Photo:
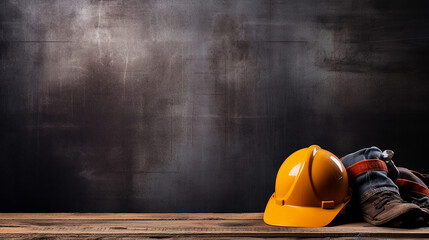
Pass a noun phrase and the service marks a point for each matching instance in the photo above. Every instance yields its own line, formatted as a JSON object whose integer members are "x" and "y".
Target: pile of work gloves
{"x": 383, "y": 194}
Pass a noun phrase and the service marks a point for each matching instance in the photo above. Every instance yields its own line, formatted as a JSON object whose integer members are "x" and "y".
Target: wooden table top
{"x": 179, "y": 225}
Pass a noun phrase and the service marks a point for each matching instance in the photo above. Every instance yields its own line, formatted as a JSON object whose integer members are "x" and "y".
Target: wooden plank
{"x": 131, "y": 216}
{"x": 211, "y": 226}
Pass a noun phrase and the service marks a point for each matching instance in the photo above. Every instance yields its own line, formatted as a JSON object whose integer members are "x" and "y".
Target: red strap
{"x": 412, "y": 186}
{"x": 365, "y": 166}
{"x": 423, "y": 176}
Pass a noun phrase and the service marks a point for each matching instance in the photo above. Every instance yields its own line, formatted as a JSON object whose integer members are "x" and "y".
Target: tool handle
{"x": 387, "y": 156}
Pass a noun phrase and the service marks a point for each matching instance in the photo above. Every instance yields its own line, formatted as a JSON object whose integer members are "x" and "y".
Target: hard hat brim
{"x": 299, "y": 216}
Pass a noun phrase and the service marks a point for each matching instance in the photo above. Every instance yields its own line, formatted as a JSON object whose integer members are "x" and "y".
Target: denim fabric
{"x": 371, "y": 182}
{"x": 405, "y": 173}
{"x": 417, "y": 198}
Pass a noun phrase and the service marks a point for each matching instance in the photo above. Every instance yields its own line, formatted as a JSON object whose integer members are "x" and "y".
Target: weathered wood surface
{"x": 177, "y": 225}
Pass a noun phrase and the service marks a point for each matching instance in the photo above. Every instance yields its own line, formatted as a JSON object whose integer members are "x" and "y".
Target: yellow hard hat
{"x": 311, "y": 189}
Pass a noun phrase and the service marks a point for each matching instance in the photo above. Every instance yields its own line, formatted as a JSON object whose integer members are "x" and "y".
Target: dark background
{"x": 192, "y": 106}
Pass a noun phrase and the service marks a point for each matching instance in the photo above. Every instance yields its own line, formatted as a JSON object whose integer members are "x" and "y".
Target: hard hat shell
{"x": 311, "y": 189}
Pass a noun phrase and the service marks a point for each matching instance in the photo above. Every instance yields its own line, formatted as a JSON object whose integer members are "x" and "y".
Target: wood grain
{"x": 177, "y": 225}
{"x": 131, "y": 216}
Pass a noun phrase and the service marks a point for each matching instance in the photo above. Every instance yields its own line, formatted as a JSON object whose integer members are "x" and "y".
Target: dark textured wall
{"x": 184, "y": 106}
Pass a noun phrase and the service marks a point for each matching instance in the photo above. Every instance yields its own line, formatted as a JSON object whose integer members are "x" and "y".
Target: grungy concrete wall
{"x": 188, "y": 106}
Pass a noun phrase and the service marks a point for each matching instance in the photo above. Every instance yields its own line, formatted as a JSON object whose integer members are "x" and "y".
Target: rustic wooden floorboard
{"x": 178, "y": 225}
{"x": 133, "y": 216}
